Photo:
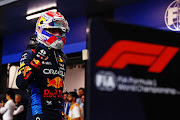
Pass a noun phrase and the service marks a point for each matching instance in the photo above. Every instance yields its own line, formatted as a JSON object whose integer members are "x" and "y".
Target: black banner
{"x": 133, "y": 72}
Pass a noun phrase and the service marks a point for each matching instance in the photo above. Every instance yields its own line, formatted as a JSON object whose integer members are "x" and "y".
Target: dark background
{"x": 150, "y": 13}
{"x": 131, "y": 105}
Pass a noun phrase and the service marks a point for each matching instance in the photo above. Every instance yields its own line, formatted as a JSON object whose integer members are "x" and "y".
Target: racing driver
{"x": 42, "y": 68}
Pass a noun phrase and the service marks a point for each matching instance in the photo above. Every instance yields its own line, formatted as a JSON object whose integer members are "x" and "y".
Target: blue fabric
{"x": 68, "y": 107}
{"x": 36, "y": 99}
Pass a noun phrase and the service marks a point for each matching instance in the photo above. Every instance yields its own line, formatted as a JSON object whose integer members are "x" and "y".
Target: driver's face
{"x": 55, "y": 31}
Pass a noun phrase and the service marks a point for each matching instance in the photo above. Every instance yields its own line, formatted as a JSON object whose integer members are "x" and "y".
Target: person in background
{"x": 80, "y": 92}
{"x": 66, "y": 104}
{"x": 18, "y": 112}
{"x": 75, "y": 110}
{"x": 8, "y": 109}
{"x": 1, "y": 105}
{"x": 82, "y": 106}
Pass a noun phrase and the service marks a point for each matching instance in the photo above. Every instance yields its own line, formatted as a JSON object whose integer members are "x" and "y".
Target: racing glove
{"x": 41, "y": 53}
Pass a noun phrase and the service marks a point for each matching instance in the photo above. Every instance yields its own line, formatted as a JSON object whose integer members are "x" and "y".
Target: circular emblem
{"x": 172, "y": 16}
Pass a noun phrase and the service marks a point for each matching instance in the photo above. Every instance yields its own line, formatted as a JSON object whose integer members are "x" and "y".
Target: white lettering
{"x": 172, "y": 14}
{"x": 24, "y": 57}
{"x": 108, "y": 81}
{"x": 53, "y": 72}
{"x": 46, "y": 63}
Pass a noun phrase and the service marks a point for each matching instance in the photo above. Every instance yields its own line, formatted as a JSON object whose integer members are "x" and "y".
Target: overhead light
{"x": 41, "y": 7}
{"x": 5, "y": 2}
{"x": 38, "y": 14}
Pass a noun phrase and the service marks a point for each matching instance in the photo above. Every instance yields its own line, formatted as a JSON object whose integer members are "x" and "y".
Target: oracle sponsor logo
{"x": 54, "y": 72}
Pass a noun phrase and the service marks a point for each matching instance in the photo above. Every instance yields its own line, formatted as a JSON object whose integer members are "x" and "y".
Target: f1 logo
{"x": 126, "y": 52}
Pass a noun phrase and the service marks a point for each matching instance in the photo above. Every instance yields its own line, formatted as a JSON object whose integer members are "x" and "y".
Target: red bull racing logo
{"x": 55, "y": 82}
{"x": 36, "y": 63}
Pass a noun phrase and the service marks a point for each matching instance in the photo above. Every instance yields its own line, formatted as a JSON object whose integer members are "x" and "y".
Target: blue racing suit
{"x": 43, "y": 79}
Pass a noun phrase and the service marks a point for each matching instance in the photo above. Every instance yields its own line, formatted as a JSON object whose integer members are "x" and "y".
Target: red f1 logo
{"x": 126, "y": 52}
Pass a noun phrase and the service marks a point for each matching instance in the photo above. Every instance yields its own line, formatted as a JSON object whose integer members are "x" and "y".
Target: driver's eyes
{"x": 55, "y": 31}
